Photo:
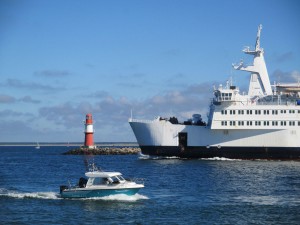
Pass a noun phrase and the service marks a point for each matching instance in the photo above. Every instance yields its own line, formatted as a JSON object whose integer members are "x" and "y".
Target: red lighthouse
{"x": 89, "y": 132}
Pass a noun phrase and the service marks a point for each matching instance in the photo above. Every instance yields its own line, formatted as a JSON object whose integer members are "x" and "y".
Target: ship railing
{"x": 140, "y": 120}
{"x": 225, "y": 99}
{"x": 251, "y": 101}
{"x": 287, "y": 103}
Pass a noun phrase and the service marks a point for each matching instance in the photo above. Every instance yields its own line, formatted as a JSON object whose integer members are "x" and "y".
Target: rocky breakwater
{"x": 104, "y": 151}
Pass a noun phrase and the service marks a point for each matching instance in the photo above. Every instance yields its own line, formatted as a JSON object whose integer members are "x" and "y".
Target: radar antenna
{"x": 257, "y": 43}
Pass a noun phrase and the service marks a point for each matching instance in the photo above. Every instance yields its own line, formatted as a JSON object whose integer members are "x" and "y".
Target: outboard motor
{"x": 62, "y": 188}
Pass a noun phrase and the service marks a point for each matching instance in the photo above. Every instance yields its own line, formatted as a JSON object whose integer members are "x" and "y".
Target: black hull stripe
{"x": 271, "y": 153}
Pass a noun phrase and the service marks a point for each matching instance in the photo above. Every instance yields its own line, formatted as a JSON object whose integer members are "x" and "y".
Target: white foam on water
{"x": 171, "y": 157}
{"x": 22, "y": 195}
{"x": 54, "y": 195}
{"x": 220, "y": 159}
{"x": 159, "y": 157}
{"x": 120, "y": 197}
{"x": 142, "y": 156}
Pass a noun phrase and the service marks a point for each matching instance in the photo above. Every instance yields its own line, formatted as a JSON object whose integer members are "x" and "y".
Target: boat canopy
{"x": 102, "y": 174}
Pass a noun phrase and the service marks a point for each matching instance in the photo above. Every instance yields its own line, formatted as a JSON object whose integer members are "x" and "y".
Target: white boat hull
{"x": 96, "y": 193}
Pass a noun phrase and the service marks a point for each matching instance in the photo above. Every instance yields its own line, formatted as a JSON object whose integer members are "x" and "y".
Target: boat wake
{"x": 54, "y": 196}
{"x": 23, "y": 195}
{"x": 145, "y": 157}
{"x": 220, "y": 159}
{"x": 120, "y": 197}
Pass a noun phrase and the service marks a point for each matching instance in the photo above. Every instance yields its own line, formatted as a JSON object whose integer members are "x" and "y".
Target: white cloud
{"x": 284, "y": 57}
{"x": 15, "y": 83}
{"x": 285, "y": 77}
{"x": 28, "y": 99}
{"x": 111, "y": 114}
{"x": 52, "y": 73}
{"x": 295, "y": 75}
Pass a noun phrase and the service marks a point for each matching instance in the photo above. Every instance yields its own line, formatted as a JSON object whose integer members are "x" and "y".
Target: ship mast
{"x": 259, "y": 80}
{"x": 257, "y": 43}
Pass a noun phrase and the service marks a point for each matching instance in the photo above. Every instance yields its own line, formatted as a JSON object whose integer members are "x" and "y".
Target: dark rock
{"x": 104, "y": 151}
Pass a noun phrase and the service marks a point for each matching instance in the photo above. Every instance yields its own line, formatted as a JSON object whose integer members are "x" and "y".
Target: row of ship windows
{"x": 258, "y": 112}
{"x": 260, "y": 123}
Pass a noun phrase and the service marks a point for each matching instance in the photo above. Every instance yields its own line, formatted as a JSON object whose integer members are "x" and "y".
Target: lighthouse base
{"x": 90, "y": 147}
{"x": 104, "y": 151}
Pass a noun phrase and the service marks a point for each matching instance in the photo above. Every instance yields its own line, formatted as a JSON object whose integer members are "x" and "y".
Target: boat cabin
{"x": 103, "y": 178}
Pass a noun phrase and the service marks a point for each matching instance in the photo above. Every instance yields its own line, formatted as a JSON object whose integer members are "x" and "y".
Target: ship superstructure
{"x": 263, "y": 124}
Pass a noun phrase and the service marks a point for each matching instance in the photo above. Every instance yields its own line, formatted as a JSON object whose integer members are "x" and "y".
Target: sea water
{"x": 177, "y": 191}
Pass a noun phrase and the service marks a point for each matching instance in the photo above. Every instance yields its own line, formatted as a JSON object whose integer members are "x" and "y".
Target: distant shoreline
{"x": 71, "y": 144}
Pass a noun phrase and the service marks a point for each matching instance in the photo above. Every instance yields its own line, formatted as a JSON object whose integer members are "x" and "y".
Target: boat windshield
{"x": 120, "y": 178}
{"x": 117, "y": 179}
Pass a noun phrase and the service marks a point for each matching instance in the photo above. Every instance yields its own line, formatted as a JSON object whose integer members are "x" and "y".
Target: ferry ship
{"x": 262, "y": 124}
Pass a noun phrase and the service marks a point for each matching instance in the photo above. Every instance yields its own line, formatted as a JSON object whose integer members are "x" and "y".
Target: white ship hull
{"x": 162, "y": 138}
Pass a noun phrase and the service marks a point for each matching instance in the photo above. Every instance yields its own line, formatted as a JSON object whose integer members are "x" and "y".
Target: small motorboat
{"x": 100, "y": 184}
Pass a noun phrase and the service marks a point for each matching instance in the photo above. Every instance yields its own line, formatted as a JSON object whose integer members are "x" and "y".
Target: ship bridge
{"x": 229, "y": 93}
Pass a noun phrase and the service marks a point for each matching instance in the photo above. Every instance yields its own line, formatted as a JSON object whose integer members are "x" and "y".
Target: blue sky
{"x": 62, "y": 59}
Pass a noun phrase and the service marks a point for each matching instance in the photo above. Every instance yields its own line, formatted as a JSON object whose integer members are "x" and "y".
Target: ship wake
{"x": 220, "y": 159}
{"x": 143, "y": 157}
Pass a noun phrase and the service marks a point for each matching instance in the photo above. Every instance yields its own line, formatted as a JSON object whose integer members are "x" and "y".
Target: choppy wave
{"x": 267, "y": 200}
{"x": 220, "y": 159}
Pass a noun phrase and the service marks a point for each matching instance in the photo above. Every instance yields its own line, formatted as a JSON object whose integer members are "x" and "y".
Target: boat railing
{"x": 94, "y": 168}
{"x": 139, "y": 180}
{"x": 71, "y": 186}
{"x": 136, "y": 180}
